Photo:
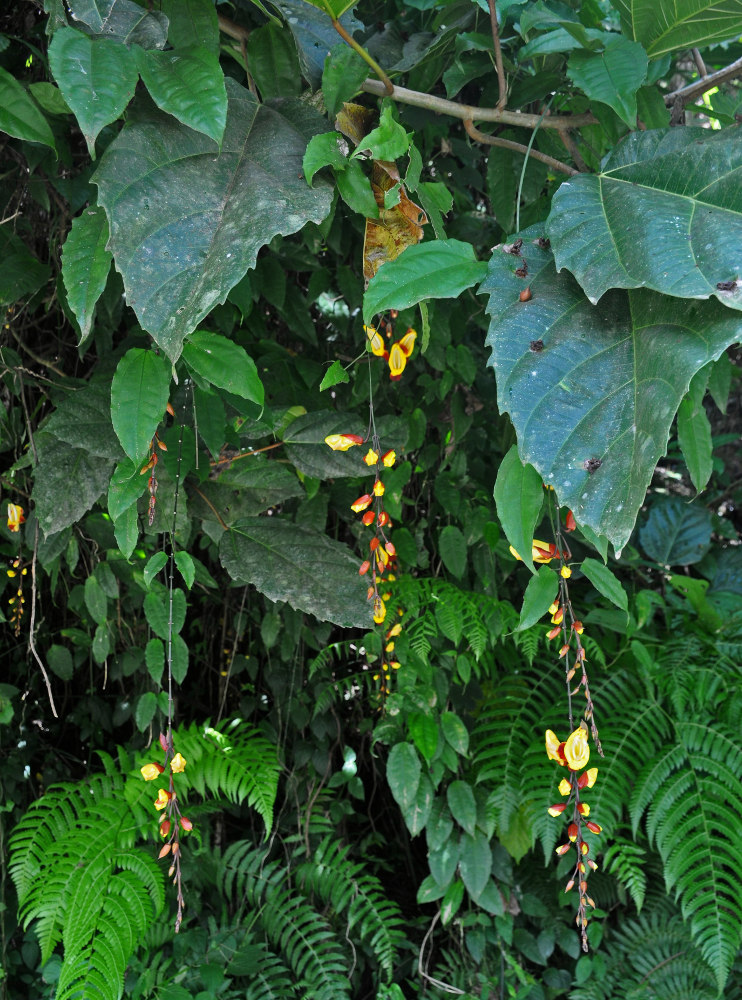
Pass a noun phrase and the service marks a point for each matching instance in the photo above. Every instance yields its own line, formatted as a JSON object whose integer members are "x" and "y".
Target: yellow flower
{"x": 371, "y": 457}
{"x": 565, "y": 572}
{"x": 379, "y": 611}
{"x": 397, "y": 360}
{"x": 341, "y": 442}
{"x": 552, "y": 747}
{"x": 177, "y": 764}
{"x": 407, "y": 343}
{"x": 16, "y": 517}
{"x": 577, "y": 749}
{"x": 375, "y": 341}
{"x": 389, "y": 458}
{"x": 378, "y": 488}
{"x": 541, "y": 552}
{"x": 162, "y": 799}
{"x": 565, "y": 787}
{"x": 151, "y": 771}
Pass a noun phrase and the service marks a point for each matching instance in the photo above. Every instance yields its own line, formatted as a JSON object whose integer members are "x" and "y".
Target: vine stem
{"x": 502, "y": 85}
{"x": 693, "y": 90}
{"x": 496, "y": 140}
{"x": 386, "y": 82}
{"x": 454, "y": 110}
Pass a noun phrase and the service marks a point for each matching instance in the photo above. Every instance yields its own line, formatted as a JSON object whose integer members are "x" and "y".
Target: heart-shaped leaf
{"x": 187, "y": 222}
{"x": 664, "y": 213}
{"x": 593, "y": 405}
{"x": 188, "y": 84}
{"x": 287, "y": 562}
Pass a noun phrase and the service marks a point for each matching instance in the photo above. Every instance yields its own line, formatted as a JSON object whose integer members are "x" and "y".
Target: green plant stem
{"x": 417, "y": 99}
{"x": 388, "y": 85}
{"x": 502, "y": 85}
{"x": 495, "y": 140}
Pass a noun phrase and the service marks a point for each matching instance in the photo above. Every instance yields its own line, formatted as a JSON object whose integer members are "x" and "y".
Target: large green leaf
{"x": 189, "y": 85}
{"x": 676, "y": 533}
{"x": 139, "y": 394}
{"x": 247, "y": 489}
{"x": 666, "y": 25}
{"x": 403, "y": 772}
{"x": 287, "y": 562}
{"x": 664, "y": 213}
{"x": 273, "y": 61}
{"x": 83, "y": 420}
{"x": 67, "y": 482}
{"x": 186, "y": 223}
{"x": 224, "y": 364}
{"x": 191, "y": 22}
{"x": 441, "y": 269}
{"x": 121, "y": 21}
{"x": 20, "y": 116}
{"x": 97, "y": 78}
{"x": 519, "y": 497}
{"x": 21, "y": 272}
{"x": 592, "y": 390}
{"x": 612, "y": 76}
{"x": 85, "y": 265}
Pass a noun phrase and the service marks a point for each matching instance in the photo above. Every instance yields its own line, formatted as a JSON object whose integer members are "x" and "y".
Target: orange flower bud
{"x": 557, "y": 810}
{"x": 583, "y": 846}
{"x": 163, "y": 743}
{"x": 373, "y": 544}
{"x": 553, "y": 632}
{"x": 564, "y": 650}
{"x": 383, "y": 519}
{"x": 578, "y": 627}
{"x": 164, "y": 850}
{"x": 361, "y": 503}
{"x": 368, "y": 517}
{"x": 593, "y": 827}
{"x": 165, "y": 828}
{"x": 572, "y": 832}
{"x": 571, "y": 523}
{"x": 558, "y": 617}
{"x": 569, "y": 885}
{"x": 562, "y": 850}
{"x": 390, "y": 549}
{"x": 151, "y": 771}
{"x": 186, "y": 823}
{"x": 364, "y": 567}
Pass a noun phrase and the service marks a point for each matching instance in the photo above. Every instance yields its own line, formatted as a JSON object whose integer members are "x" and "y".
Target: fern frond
{"x": 625, "y": 860}
{"x": 692, "y": 793}
{"x": 528, "y": 642}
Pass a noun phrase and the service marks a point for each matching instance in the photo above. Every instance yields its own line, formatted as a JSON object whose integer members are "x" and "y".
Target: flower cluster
{"x": 172, "y": 821}
{"x": 574, "y": 754}
{"x": 398, "y": 353}
{"x": 382, "y": 554}
{"x": 16, "y": 517}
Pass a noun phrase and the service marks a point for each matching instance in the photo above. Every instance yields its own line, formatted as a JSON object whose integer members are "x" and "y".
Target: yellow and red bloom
{"x": 554, "y": 748}
{"x": 16, "y": 517}
{"x": 588, "y": 778}
{"x": 577, "y": 749}
{"x": 151, "y": 771}
{"x": 177, "y": 764}
{"x": 163, "y": 797}
{"x": 165, "y": 828}
{"x": 593, "y": 827}
{"x": 584, "y": 809}
{"x": 565, "y": 572}
{"x": 378, "y": 488}
{"x": 375, "y": 341}
{"x": 361, "y": 503}
{"x": 407, "y": 343}
{"x": 558, "y": 809}
{"x": 341, "y": 442}
{"x": 565, "y": 786}
{"x": 364, "y": 567}
{"x": 397, "y": 360}
{"x": 541, "y": 552}
{"x": 379, "y": 611}
{"x": 371, "y": 457}
{"x": 389, "y": 458}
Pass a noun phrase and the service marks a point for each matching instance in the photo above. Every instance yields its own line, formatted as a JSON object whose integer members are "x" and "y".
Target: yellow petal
{"x": 577, "y": 749}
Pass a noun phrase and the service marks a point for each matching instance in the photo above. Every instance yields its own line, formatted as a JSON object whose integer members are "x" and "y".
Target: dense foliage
{"x": 428, "y": 289}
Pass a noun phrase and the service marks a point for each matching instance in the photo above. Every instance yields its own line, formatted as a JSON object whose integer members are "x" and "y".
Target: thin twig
{"x": 571, "y": 147}
{"x": 496, "y": 140}
{"x": 700, "y": 64}
{"x": 686, "y": 95}
{"x": 367, "y": 58}
{"x": 417, "y": 99}
{"x": 502, "y": 85}
{"x": 31, "y": 639}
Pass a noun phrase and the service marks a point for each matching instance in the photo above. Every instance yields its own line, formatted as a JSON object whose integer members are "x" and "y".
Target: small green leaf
{"x": 342, "y": 77}
{"x": 417, "y": 815}
{"x": 540, "y": 593}
{"x": 451, "y": 902}
{"x": 126, "y": 531}
{"x": 126, "y": 486}
{"x": 189, "y": 85}
{"x": 452, "y": 549}
{"x": 455, "y": 732}
{"x": 611, "y": 77}
{"x": 145, "y": 710}
{"x": 96, "y": 601}
{"x": 179, "y": 665}
{"x": 157, "y": 611}
{"x": 329, "y": 149}
{"x": 694, "y": 438}
{"x": 519, "y": 496}
{"x": 334, "y": 375}
{"x": 20, "y": 115}
{"x": 388, "y": 141}
{"x": 273, "y": 61}
{"x": 606, "y": 583}
{"x": 60, "y": 661}
{"x": 224, "y": 364}
{"x": 429, "y": 890}
{"x": 101, "y": 644}
{"x": 354, "y": 188}
{"x": 191, "y": 22}
{"x": 139, "y": 394}
{"x": 86, "y": 264}
{"x": 97, "y": 79}
{"x": 186, "y": 567}
{"x": 154, "y": 565}
{"x": 441, "y": 269}
{"x": 475, "y": 862}
{"x": 154, "y": 657}
{"x": 403, "y": 772}
{"x": 424, "y": 732}
{"x": 443, "y": 861}
{"x": 460, "y": 798}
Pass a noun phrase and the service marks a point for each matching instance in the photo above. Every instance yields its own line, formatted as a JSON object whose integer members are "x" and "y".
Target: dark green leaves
{"x": 441, "y": 269}
{"x": 664, "y": 213}
{"x": 676, "y": 533}
{"x": 139, "y": 395}
{"x": 223, "y": 364}
{"x": 187, "y": 222}
{"x": 612, "y": 76}
{"x": 593, "y": 406}
{"x": 188, "y": 84}
{"x": 403, "y": 772}
{"x": 20, "y": 115}
{"x": 666, "y": 25}
{"x": 605, "y": 582}
{"x": 122, "y": 21}
{"x": 96, "y": 78}
{"x": 85, "y": 265}
{"x": 287, "y": 562}
{"x": 541, "y": 592}
{"x": 519, "y": 496}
